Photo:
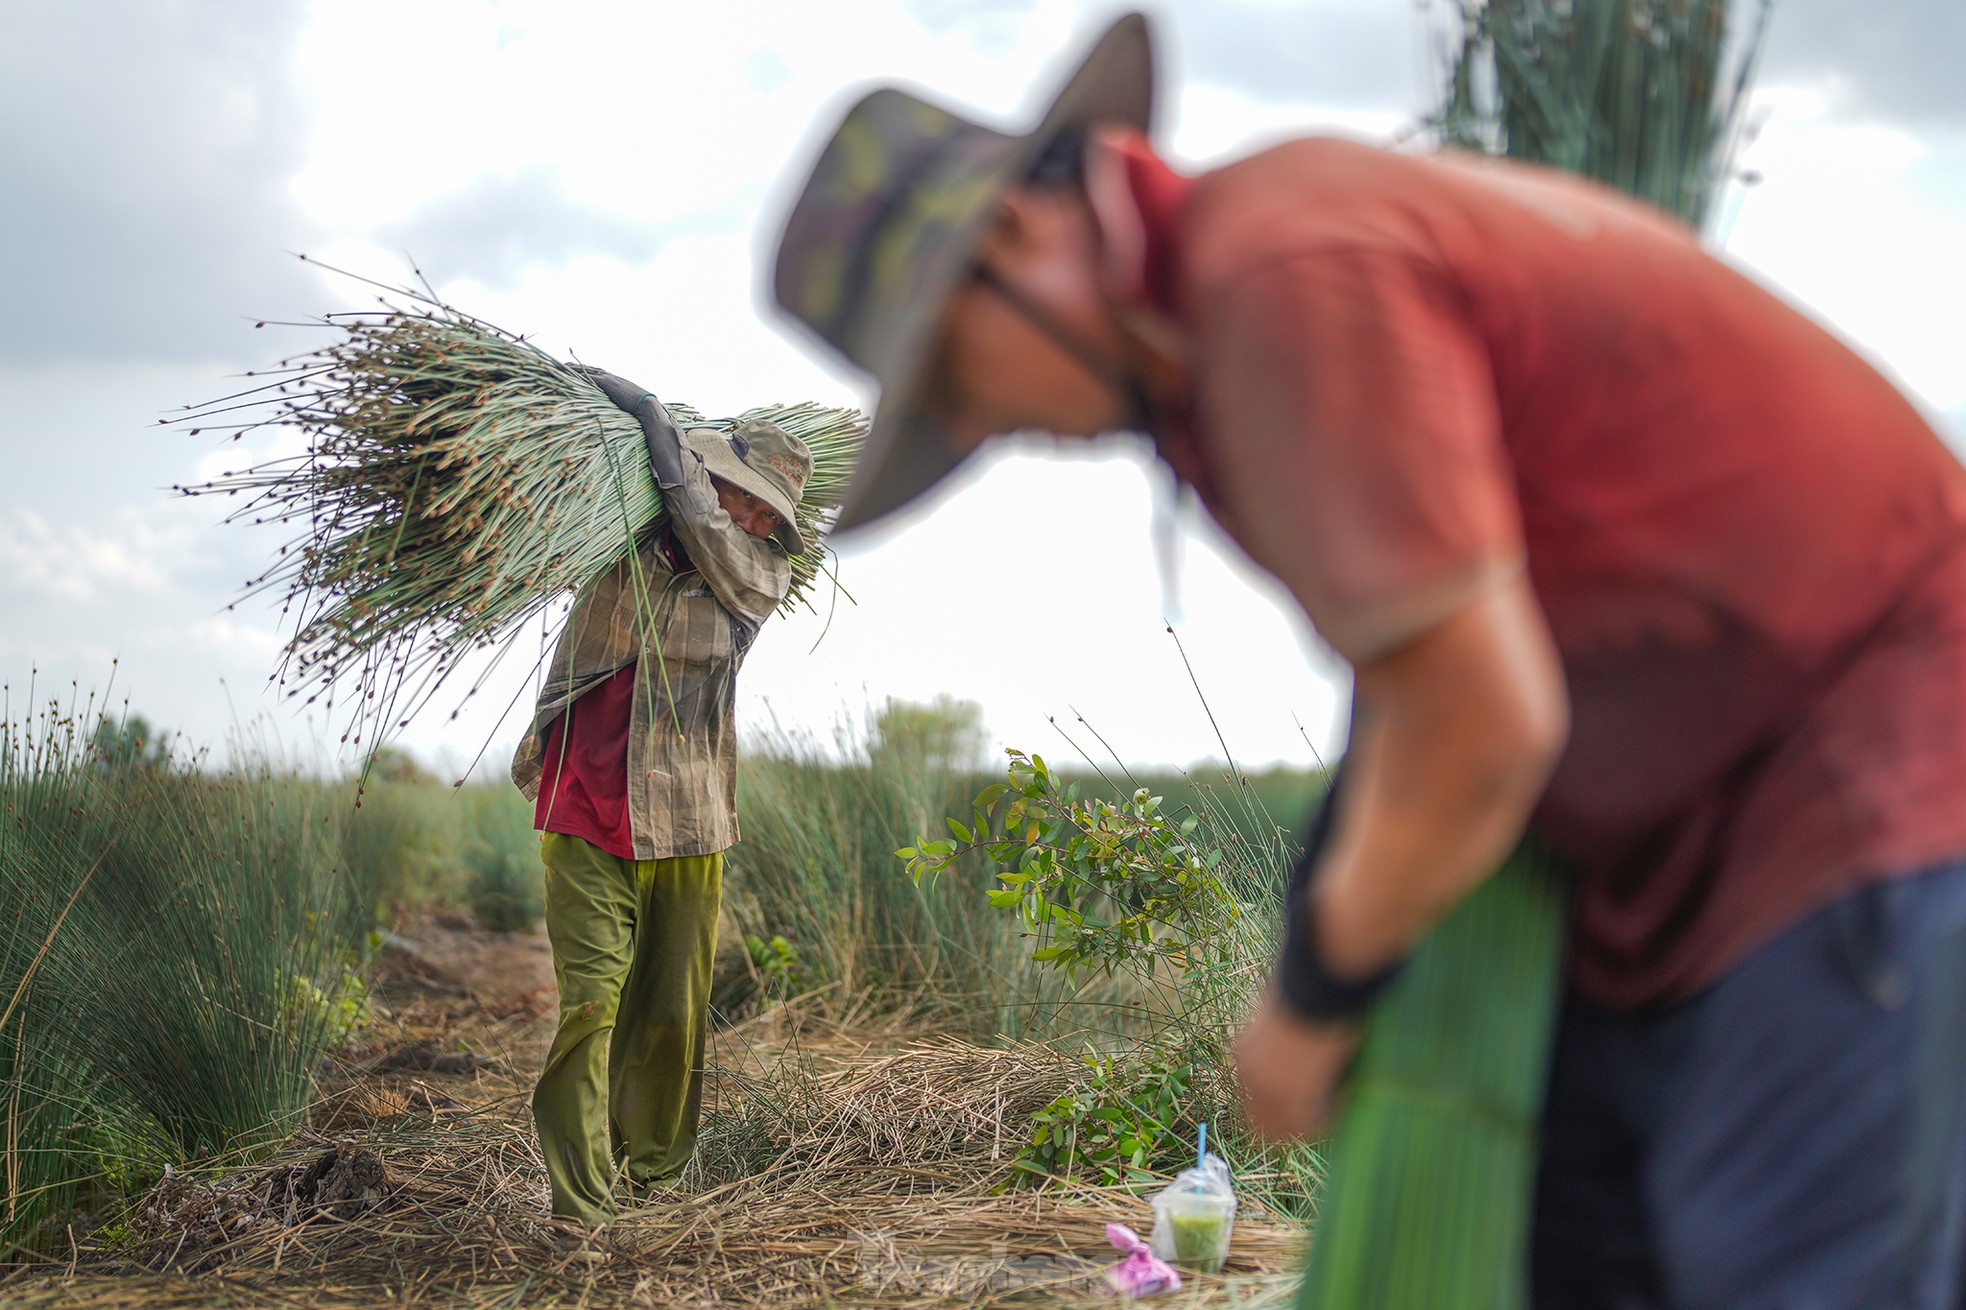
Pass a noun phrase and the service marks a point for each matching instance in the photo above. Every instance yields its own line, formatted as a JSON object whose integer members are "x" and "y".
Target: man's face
{"x": 746, "y": 510}
{"x": 998, "y": 372}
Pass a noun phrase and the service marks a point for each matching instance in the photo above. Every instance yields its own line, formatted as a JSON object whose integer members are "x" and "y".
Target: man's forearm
{"x": 1456, "y": 736}
{"x": 659, "y": 434}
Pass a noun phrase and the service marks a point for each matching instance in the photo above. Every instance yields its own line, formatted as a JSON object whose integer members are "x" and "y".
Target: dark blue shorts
{"x": 1792, "y": 1138}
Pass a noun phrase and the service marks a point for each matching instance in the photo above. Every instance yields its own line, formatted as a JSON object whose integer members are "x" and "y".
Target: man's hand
{"x": 665, "y": 443}
{"x": 1289, "y": 1069}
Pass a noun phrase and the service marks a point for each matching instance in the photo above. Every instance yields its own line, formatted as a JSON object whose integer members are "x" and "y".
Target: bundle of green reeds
{"x": 456, "y": 480}
{"x": 1432, "y": 1162}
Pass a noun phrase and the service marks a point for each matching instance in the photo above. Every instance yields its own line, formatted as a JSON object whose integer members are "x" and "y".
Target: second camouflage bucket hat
{"x": 765, "y": 460}
{"x": 886, "y": 230}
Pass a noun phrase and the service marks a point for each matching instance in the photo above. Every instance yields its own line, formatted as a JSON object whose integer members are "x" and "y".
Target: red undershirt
{"x": 583, "y": 782}
{"x": 583, "y": 788}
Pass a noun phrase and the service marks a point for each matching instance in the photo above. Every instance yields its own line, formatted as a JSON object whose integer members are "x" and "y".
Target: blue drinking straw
{"x": 1201, "y": 1146}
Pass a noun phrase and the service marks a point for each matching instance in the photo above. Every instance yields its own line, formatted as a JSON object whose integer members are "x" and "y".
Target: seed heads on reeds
{"x": 456, "y": 479}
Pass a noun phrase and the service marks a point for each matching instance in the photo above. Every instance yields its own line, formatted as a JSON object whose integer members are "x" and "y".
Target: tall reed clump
{"x": 178, "y": 950}
{"x": 1647, "y": 96}
{"x": 816, "y": 867}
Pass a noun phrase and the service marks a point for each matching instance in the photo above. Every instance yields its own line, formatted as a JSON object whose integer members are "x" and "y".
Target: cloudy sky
{"x": 606, "y": 177}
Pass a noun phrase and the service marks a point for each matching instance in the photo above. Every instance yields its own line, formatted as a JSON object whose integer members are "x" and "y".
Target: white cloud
{"x": 73, "y": 562}
{"x": 1839, "y": 224}
{"x": 239, "y": 638}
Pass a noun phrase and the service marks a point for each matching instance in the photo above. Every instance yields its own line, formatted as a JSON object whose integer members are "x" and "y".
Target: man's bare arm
{"x": 1458, "y": 731}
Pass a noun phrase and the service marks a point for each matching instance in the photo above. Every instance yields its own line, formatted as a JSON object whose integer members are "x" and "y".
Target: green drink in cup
{"x": 1200, "y": 1226}
{"x": 1195, "y": 1215}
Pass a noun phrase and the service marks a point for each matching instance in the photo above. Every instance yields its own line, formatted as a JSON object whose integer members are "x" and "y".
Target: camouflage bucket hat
{"x": 765, "y": 460}
{"x": 886, "y": 231}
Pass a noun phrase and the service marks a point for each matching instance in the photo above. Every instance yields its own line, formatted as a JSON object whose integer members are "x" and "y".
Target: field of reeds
{"x": 262, "y": 1044}
{"x": 184, "y": 945}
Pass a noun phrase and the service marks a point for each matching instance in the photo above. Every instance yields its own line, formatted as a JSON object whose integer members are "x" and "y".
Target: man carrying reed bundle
{"x": 632, "y": 763}
{"x": 1623, "y": 551}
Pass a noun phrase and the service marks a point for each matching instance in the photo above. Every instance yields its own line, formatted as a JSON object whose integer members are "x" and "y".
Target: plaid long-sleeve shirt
{"x": 688, "y": 636}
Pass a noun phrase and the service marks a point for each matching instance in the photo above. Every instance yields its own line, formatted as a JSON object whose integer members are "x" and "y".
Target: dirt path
{"x": 837, "y": 1166}
{"x": 448, "y": 955}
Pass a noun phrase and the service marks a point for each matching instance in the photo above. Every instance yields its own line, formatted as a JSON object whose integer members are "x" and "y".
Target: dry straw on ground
{"x": 837, "y": 1167}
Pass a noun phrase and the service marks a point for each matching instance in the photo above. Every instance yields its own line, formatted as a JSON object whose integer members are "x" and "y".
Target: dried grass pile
{"x": 950, "y": 1113}
{"x": 455, "y": 480}
{"x": 829, "y": 1174}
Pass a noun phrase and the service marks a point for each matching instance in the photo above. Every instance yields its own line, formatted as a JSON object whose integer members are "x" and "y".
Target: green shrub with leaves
{"x": 1176, "y": 906}
{"x": 1116, "y": 1126}
{"x": 339, "y": 1008}
{"x": 1102, "y": 884}
{"x": 1122, "y": 887}
{"x": 778, "y": 962}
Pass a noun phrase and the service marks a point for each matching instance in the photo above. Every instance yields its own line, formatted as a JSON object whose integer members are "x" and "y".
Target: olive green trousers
{"x": 632, "y": 947}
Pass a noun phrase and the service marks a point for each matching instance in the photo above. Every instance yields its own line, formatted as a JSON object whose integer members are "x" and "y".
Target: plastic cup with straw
{"x": 1196, "y": 1214}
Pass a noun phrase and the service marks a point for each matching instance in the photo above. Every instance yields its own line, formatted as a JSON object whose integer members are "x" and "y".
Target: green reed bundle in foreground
{"x": 456, "y": 480}
{"x": 1433, "y": 1158}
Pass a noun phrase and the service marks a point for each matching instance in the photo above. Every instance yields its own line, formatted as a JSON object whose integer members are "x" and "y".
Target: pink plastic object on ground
{"x": 1140, "y": 1272}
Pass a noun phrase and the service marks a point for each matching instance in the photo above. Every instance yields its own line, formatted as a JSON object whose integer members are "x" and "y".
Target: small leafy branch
{"x": 1117, "y": 1125}
{"x": 1099, "y": 884}
{"x": 1180, "y": 905}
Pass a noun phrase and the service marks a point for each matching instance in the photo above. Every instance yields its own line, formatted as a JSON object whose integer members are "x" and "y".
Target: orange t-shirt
{"x": 1412, "y": 375}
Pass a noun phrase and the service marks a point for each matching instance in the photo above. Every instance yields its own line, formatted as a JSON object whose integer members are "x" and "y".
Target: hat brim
{"x": 720, "y": 461}
{"x": 907, "y": 451}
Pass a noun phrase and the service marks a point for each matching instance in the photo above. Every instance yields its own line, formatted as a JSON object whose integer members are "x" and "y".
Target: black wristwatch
{"x": 1304, "y": 982}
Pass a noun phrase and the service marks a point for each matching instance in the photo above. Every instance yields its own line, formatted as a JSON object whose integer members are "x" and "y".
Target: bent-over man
{"x": 1618, "y": 545}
